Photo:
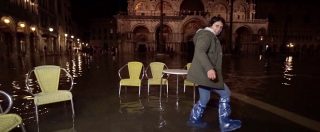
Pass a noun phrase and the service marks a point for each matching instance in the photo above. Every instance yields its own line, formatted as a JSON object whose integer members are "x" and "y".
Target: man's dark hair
{"x": 216, "y": 19}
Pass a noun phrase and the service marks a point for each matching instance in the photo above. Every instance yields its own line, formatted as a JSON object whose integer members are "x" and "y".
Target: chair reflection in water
{"x": 136, "y": 73}
{"x": 156, "y": 69}
{"x": 8, "y": 121}
{"x": 48, "y": 79}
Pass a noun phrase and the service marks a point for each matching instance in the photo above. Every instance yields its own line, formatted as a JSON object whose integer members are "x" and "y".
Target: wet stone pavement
{"x": 279, "y": 98}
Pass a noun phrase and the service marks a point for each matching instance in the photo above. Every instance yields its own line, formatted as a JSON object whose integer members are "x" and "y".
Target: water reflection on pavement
{"x": 98, "y": 108}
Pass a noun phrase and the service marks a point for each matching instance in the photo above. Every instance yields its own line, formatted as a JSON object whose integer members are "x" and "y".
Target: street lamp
{"x": 22, "y": 25}
{"x": 50, "y": 29}
{"x": 261, "y": 38}
{"x": 290, "y": 45}
{"x": 6, "y": 20}
{"x": 66, "y": 35}
{"x": 33, "y": 28}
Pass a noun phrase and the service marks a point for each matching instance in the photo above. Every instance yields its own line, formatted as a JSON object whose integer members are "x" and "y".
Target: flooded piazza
{"x": 279, "y": 97}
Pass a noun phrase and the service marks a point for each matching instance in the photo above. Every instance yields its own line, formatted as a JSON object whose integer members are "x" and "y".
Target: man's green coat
{"x": 207, "y": 55}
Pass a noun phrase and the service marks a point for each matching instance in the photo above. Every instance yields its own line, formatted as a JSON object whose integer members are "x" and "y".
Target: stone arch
{"x": 262, "y": 32}
{"x": 243, "y": 39}
{"x": 140, "y": 38}
{"x": 189, "y": 28}
{"x": 202, "y": 20}
{"x": 167, "y": 37}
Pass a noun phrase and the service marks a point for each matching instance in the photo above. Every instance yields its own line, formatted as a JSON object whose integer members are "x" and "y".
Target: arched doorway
{"x": 166, "y": 38}
{"x": 140, "y": 39}
{"x": 243, "y": 41}
{"x": 189, "y": 30}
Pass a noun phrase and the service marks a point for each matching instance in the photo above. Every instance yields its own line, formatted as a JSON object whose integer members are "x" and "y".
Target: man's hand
{"x": 211, "y": 74}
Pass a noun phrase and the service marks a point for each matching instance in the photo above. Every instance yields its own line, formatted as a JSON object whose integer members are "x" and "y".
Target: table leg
{"x": 160, "y": 87}
{"x": 177, "y": 83}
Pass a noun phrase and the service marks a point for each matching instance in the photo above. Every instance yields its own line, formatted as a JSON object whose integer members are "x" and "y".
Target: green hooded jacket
{"x": 207, "y": 55}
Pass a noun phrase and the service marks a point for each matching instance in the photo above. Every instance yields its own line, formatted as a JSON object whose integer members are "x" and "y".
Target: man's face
{"x": 217, "y": 27}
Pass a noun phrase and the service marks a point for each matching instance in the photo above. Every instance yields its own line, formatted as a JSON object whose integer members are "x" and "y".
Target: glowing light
{"x": 33, "y": 28}
{"x": 72, "y": 36}
{"x": 22, "y": 25}
{"x": 50, "y": 29}
{"x": 6, "y": 20}
{"x": 290, "y": 45}
{"x": 66, "y": 35}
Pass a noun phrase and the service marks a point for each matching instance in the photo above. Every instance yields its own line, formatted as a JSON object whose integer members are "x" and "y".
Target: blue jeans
{"x": 205, "y": 92}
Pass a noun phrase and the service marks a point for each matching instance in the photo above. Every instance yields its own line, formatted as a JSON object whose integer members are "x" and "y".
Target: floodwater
{"x": 288, "y": 83}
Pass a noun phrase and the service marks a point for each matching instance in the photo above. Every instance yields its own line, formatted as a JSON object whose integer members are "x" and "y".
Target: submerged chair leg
{"x": 119, "y": 89}
{"x": 139, "y": 90}
{"x": 167, "y": 88}
{"x": 23, "y": 129}
{"x": 37, "y": 115}
{"x": 148, "y": 88}
{"x": 72, "y": 107}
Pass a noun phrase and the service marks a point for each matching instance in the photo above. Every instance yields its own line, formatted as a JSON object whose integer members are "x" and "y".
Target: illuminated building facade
{"x": 34, "y": 27}
{"x": 140, "y": 26}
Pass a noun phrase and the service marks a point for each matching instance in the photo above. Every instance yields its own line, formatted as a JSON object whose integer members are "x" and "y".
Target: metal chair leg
{"x": 72, "y": 107}
{"x": 37, "y": 115}
{"x": 139, "y": 90}
{"x": 23, "y": 129}
{"x": 148, "y": 88}
{"x": 119, "y": 89}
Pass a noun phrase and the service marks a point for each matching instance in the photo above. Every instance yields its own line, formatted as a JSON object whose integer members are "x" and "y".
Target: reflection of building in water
{"x": 139, "y": 28}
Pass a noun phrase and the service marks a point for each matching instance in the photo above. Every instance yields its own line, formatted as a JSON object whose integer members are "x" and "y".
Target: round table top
{"x": 176, "y": 71}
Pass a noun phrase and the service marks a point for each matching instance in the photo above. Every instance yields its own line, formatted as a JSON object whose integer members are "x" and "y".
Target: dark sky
{"x": 83, "y": 10}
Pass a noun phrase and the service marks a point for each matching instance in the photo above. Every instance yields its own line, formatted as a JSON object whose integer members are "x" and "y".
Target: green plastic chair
{"x": 135, "y": 69}
{"x": 8, "y": 121}
{"x": 48, "y": 77}
{"x": 156, "y": 69}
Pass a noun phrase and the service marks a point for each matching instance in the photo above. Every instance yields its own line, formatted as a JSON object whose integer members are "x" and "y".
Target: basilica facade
{"x": 143, "y": 29}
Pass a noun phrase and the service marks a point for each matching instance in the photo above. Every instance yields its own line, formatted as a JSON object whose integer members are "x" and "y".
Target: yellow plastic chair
{"x": 187, "y": 83}
{"x": 48, "y": 78}
{"x": 156, "y": 69}
{"x": 135, "y": 69}
{"x": 8, "y": 121}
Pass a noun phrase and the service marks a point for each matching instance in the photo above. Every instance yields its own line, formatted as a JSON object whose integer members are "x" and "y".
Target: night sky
{"x": 84, "y": 10}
